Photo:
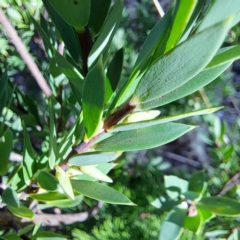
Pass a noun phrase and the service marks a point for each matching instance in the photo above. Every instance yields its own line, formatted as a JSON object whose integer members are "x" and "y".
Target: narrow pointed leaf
{"x": 199, "y": 81}
{"x": 52, "y": 138}
{"x": 66, "y": 31}
{"x": 114, "y": 73}
{"x": 49, "y": 196}
{"x": 141, "y": 124}
{"x": 22, "y": 212}
{"x": 10, "y": 197}
{"x": 66, "y": 203}
{"x": 47, "y": 181}
{"x": 220, "y": 206}
{"x": 100, "y": 192}
{"x": 181, "y": 64}
{"x": 64, "y": 182}
{"x": 28, "y": 157}
{"x": 50, "y": 236}
{"x": 6, "y": 145}
{"x": 106, "y": 34}
{"x": 93, "y": 98}
{"x": 3, "y": 83}
{"x": 75, "y": 13}
{"x": 99, "y": 10}
{"x": 143, "y": 138}
{"x": 93, "y": 158}
{"x": 214, "y": 15}
{"x": 183, "y": 14}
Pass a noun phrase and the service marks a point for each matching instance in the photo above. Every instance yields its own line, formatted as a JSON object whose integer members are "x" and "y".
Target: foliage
{"x": 68, "y": 141}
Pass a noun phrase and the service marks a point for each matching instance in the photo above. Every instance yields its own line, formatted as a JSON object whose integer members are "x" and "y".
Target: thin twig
{"x": 20, "y": 47}
{"x": 205, "y": 98}
{"x": 159, "y": 8}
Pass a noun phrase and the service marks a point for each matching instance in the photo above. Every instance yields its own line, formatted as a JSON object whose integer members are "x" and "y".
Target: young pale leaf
{"x": 66, "y": 31}
{"x": 156, "y": 121}
{"x": 22, "y": 212}
{"x": 93, "y": 98}
{"x": 181, "y": 64}
{"x": 215, "y": 15}
{"x": 28, "y": 157}
{"x": 52, "y": 138}
{"x": 10, "y": 197}
{"x": 172, "y": 225}
{"x": 6, "y": 144}
{"x": 106, "y": 34}
{"x": 199, "y": 81}
{"x": 75, "y": 13}
{"x": 49, "y": 196}
{"x": 175, "y": 186}
{"x": 183, "y": 14}
{"x": 143, "y": 138}
{"x": 141, "y": 116}
{"x": 93, "y": 172}
{"x": 197, "y": 183}
{"x": 47, "y": 181}
{"x": 220, "y": 206}
{"x": 64, "y": 182}
{"x": 114, "y": 74}
{"x": 100, "y": 192}
{"x": 99, "y": 10}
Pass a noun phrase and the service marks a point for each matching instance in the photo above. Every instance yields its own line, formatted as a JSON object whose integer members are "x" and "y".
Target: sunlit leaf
{"x": 193, "y": 223}
{"x": 10, "y": 197}
{"x": 75, "y": 13}
{"x": 93, "y": 98}
{"x": 100, "y": 192}
{"x": 50, "y": 236}
{"x": 22, "y": 212}
{"x": 143, "y": 138}
{"x": 49, "y": 196}
{"x": 181, "y": 64}
{"x": 220, "y": 206}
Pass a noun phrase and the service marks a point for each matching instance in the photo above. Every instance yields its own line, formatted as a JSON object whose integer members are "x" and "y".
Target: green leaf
{"x": 6, "y": 145}
{"x": 172, "y": 225}
{"x": 216, "y": 233}
{"x": 64, "y": 182}
{"x": 10, "y": 197}
{"x": 93, "y": 158}
{"x": 22, "y": 212}
{"x": 141, "y": 124}
{"x": 100, "y": 192}
{"x": 197, "y": 183}
{"x": 215, "y": 14}
{"x": 225, "y": 55}
{"x": 205, "y": 215}
{"x": 66, "y": 203}
{"x": 36, "y": 230}
{"x": 28, "y": 157}
{"x": 114, "y": 74}
{"x": 199, "y": 81}
{"x": 52, "y": 137}
{"x": 66, "y": 31}
{"x": 75, "y": 13}
{"x": 50, "y": 236}
{"x": 93, "y": 99}
{"x": 183, "y": 14}
{"x": 99, "y": 10}
{"x": 193, "y": 223}
{"x": 181, "y": 64}
{"x": 175, "y": 186}
{"x": 143, "y": 138}
{"x": 220, "y": 206}
{"x": 74, "y": 76}
{"x": 3, "y": 83}
{"x": 49, "y": 196}
{"x": 106, "y": 34}
{"x": 47, "y": 181}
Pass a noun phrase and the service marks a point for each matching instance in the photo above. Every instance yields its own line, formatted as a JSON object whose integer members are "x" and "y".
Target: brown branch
{"x": 20, "y": 47}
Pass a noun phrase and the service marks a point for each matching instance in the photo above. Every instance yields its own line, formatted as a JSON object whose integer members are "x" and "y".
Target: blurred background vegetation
{"x": 213, "y": 147}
